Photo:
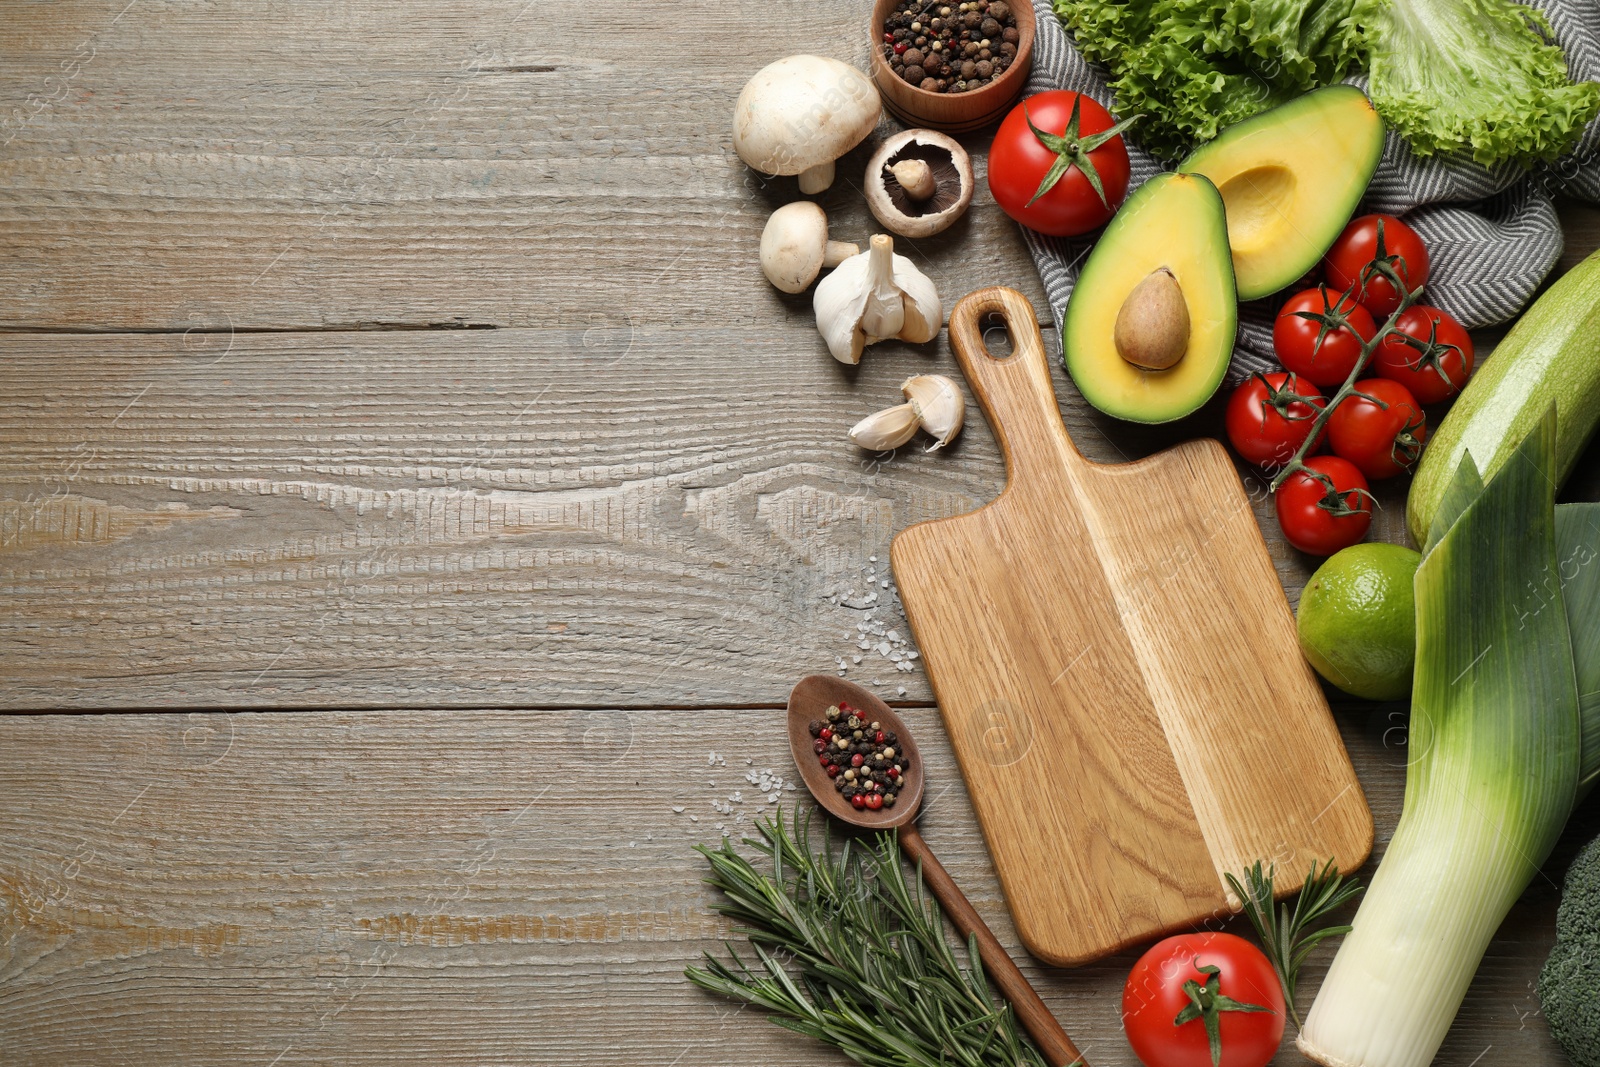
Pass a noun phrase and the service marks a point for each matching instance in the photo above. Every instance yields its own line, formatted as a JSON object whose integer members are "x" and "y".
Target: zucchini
{"x": 1551, "y": 354}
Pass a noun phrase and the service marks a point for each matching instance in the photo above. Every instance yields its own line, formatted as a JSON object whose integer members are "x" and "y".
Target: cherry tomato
{"x": 1357, "y": 246}
{"x": 1318, "y": 520}
{"x": 1222, "y": 983}
{"x": 1269, "y": 417}
{"x": 1380, "y": 430}
{"x": 1321, "y": 354}
{"x": 1069, "y": 128}
{"x": 1435, "y": 363}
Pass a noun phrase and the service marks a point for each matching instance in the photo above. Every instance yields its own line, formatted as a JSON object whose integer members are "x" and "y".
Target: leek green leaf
{"x": 1465, "y": 486}
{"x": 1578, "y": 549}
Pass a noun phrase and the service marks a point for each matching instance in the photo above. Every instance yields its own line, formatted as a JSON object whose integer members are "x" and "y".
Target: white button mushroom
{"x": 798, "y": 115}
{"x": 795, "y": 246}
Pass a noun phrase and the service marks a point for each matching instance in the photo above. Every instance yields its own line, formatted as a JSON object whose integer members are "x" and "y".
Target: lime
{"x": 1358, "y": 620}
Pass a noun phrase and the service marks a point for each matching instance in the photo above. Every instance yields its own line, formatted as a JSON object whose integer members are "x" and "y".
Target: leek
{"x": 1495, "y": 763}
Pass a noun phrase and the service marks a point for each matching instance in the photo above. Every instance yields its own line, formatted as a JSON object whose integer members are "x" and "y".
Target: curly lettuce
{"x": 1475, "y": 77}
{"x": 1194, "y": 67}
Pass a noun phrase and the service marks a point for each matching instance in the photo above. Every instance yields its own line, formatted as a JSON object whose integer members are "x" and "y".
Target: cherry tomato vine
{"x": 1386, "y": 267}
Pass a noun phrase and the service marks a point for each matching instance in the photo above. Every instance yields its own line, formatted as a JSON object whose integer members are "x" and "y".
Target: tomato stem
{"x": 1072, "y": 150}
{"x": 1207, "y": 1003}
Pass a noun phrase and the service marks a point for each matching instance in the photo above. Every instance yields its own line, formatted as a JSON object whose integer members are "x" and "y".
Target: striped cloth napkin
{"x": 1492, "y": 233}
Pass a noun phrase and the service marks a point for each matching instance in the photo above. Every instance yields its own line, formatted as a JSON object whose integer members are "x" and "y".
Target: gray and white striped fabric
{"x": 1492, "y": 233}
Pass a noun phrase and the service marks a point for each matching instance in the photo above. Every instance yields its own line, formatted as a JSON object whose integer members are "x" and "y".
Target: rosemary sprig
{"x": 1285, "y": 932}
{"x": 849, "y": 950}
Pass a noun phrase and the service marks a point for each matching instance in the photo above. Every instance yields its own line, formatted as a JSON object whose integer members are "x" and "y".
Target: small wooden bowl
{"x": 952, "y": 112}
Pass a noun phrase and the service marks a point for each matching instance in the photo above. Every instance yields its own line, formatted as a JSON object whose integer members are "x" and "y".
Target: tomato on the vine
{"x": 1380, "y": 428}
{"x": 1322, "y": 517}
{"x": 1058, "y": 164}
{"x": 1429, "y": 353}
{"x": 1203, "y": 1000}
{"x": 1357, "y": 247}
{"x": 1311, "y": 342}
{"x": 1269, "y": 417}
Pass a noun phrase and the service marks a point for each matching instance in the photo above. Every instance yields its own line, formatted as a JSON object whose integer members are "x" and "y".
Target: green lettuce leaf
{"x": 1195, "y": 67}
{"x": 1478, "y": 76}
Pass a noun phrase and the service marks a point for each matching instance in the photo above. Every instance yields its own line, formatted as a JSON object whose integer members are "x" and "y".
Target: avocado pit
{"x": 1152, "y": 327}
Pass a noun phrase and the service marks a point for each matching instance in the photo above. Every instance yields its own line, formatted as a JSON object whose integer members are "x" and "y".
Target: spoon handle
{"x": 1053, "y": 1041}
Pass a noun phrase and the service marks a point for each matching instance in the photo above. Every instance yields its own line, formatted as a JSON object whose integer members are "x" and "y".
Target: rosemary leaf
{"x": 852, "y": 951}
{"x": 1286, "y": 933}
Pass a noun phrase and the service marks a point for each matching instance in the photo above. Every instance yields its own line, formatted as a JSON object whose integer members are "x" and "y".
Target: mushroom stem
{"x": 836, "y": 252}
{"x": 816, "y": 179}
{"x": 915, "y": 177}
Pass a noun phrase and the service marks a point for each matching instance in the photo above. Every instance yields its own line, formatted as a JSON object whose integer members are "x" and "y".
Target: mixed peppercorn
{"x": 863, "y": 759}
{"x": 950, "y": 47}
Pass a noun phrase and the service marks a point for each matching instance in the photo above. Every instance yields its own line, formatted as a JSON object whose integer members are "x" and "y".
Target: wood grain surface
{"x": 466, "y": 887}
{"x": 414, "y": 358}
{"x": 1115, "y": 636}
{"x": 546, "y": 517}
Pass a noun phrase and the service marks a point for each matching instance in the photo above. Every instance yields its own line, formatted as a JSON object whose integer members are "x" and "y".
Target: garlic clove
{"x": 940, "y": 406}
{"x": 838, "y": 302}
{"x": 923, "y": 313}
{"x": 887, "y": 429}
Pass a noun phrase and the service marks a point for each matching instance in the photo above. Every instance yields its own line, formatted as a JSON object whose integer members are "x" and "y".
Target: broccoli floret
{"x": 1569, "y": 985}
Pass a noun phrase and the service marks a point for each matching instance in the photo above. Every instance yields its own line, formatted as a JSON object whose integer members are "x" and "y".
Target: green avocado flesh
{"x": 1173, "y": 222}
{"x": 1291, "y": 177}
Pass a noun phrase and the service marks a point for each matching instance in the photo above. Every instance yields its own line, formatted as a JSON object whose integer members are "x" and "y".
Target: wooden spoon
{"x": 810, "y": 700}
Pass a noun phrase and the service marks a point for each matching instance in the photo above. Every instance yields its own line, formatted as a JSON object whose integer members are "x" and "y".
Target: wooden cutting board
{"x": 1118, "y": 670}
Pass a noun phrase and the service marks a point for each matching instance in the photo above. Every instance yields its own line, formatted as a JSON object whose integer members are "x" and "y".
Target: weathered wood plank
{"x": 454, "y": 164}
{"x": 637, "y": 516}
{"x": 468, "y": 887}
{"x": 427, "y": 163}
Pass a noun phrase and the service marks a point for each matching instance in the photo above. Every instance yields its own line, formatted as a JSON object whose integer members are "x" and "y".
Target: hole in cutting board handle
{"x": 996, "y": 335}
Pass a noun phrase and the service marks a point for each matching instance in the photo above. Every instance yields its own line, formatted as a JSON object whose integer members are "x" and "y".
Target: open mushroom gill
{"x": 947, "y": 180}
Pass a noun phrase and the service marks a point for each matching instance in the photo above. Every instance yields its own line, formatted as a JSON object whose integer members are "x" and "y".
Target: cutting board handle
{"x": 1015, "y": 393}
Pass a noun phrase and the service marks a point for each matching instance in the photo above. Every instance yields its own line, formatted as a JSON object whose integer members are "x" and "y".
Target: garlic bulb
{"x": 874, "y": 296}
{"x": 939, "y": 405}
{"x": 887, "y": 429}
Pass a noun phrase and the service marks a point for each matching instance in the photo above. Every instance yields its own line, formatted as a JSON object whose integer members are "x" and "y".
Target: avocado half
{"x": 1291, "y": 177}
{"x": 1173, "y": 222}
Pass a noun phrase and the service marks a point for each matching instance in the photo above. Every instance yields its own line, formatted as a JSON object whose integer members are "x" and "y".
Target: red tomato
{"x": 1435, "y": 363}
{"x": 1309, "y": 347}
{"x": 1215, "y": 979}
{"x": 1269, "y": 417}
{"x": 1067, "y": 128}
{"x": 1318, "y": 520}
{"x": 1357, "y": 246}
{"x": 1380, "y": 429}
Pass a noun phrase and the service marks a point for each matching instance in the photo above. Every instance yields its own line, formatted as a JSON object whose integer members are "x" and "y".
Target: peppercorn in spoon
{"x": 891, "y": 767}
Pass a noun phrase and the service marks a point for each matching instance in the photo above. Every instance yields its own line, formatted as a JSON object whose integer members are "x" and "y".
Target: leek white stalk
{"x": 1495, "y": 750}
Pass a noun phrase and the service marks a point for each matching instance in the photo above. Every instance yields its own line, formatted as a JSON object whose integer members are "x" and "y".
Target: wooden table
{"x": 409, "y": 483}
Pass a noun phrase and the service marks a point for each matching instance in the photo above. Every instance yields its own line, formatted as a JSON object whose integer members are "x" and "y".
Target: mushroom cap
{"x": 952, "y": 172}
{"x": 792, "y": 245}
{"x": 803, "y": 111}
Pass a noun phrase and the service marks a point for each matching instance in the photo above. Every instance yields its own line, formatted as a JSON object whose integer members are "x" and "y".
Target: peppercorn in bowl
{"x": 955, "y": 65}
